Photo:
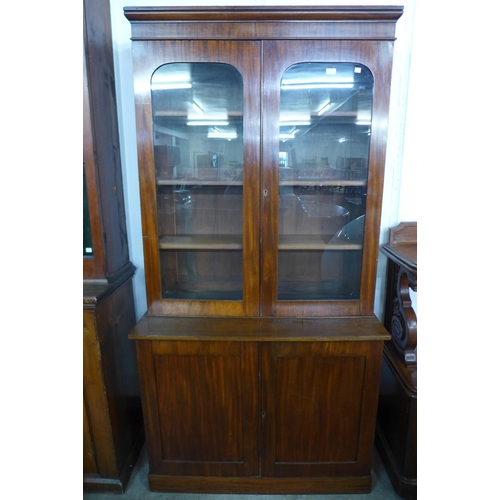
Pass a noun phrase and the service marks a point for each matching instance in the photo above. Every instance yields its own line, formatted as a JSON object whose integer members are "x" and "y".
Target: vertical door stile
{"x": 269, "y": 195}
{"x": 263, "y": 216}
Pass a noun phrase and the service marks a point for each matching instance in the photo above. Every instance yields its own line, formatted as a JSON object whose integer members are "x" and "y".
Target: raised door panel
{"x": 94, "y": 385}
{"x": 115, "y": 318}
{"x": 319, "y": 405}
{"x": 112, "y": 427}
{"x": 203, "y": 414}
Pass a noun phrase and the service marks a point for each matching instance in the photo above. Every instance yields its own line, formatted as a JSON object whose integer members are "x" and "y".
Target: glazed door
{"x": 198, "y": 123}
{"x": 323, "y": 159}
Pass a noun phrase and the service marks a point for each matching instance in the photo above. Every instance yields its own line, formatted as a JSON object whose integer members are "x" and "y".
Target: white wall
{"x": 399, "y": 203}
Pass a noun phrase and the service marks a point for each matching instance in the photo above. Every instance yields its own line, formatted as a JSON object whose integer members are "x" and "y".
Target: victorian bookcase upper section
{"x": 261, "y": 145}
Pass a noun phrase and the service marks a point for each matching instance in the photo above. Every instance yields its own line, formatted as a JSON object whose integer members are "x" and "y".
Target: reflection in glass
{"x": 325, "y": 126}
{"x": 88, "y": 250}
{"x": 198, "y": 140}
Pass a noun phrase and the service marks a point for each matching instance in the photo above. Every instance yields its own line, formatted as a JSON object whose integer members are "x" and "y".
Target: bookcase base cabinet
{"x": 113, "y": 433}
{"x": 396, "y": 432}
{"x": 259, "y": 416}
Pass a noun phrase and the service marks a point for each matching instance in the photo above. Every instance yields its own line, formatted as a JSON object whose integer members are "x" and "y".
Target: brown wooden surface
{"x": 405, "y": 254}
{"x": 396, "y": 435}
{"x": 312, "y": 242}
{"x": 265, "y": 13}
{"x": 319, "y": 405}
{"x": 407, "y": 375}
{"x": 112, "y": 415}
{"x": 259, "y": 396}
{"x": 95, "y": 397}
{"x": 399, "y": 316}
{"x": 404, "y": 232}
{"x": 89, "y": 463}
{"x": 261, "y": 485}
{"x": 201, "y": 242}
{"x": 206, "y": 424}
{"x": 259, "y": 329}
{"x": 112, "y": 424}
{"x": 93, "y": 267}
{"x": 402, "y": 246}
{"x": 101, "y": 147}
{"x": 264, "y": 22}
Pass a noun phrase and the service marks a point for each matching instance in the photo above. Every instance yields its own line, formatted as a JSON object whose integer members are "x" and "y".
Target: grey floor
{"x": 137, "y": 489}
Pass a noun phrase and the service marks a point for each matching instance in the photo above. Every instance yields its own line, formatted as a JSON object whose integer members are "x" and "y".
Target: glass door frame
{"x": 278, "y": 57}
{"x": 245, "y": 57}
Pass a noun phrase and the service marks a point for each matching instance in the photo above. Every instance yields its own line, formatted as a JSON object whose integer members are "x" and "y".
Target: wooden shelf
{"x": 201, "y": 242}
{"x": 234, "y": 242}
{"x": 184, "y": 114}
{"x": 313, "y": 242}
{"x": 324, "y": 182}
{"x": 197, "y": 182}
{"x": 231, "y": 113}
{"x": 229, "y": 182}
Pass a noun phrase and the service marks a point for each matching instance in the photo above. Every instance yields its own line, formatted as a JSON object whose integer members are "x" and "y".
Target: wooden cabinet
{"x": 276, "y": 119}
{"x": 113, "y": 432}
{"x": 207, "y": 421}
{"x": 112, "y": 425}
{"x": 105, "y": 251}
{"x": 396, "y": 436}
{"x": 318, "y": 401}
{"x": 261, "y": 141}
{"x": 259, "y": 404}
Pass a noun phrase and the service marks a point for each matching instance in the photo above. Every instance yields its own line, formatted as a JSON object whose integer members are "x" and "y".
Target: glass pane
{"x": 88, "y": 250}
{"x": 325, "y": 125}
{"x": 198, "y": 138}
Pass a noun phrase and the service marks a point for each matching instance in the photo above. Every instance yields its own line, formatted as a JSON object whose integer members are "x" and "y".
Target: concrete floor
{"x": 137, "y": 489}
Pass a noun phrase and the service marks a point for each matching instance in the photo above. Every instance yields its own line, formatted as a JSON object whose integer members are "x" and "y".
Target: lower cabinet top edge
{"x": 359, "y": 328}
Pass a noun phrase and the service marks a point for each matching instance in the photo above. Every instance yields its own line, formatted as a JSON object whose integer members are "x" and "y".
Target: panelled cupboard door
{"x": 198, "y": 129}
{"x": 201, "y": 407}
{"x": 318, "y": 408}
{"x": 324, "y": 119}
